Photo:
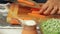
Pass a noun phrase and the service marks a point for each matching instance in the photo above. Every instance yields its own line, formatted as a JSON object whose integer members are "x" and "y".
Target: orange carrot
{"x": 35, "y": 9}
{"x": 26, "y": 2}
{"x": 26, "y": 18}
{"x": 36, "y": 14}
{"x": 14, "y": 21}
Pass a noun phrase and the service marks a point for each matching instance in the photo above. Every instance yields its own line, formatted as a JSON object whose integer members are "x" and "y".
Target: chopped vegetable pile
{"x": 51, "y": 26}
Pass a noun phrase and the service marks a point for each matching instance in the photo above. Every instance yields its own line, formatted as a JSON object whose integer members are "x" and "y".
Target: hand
{"x": 51, "y": 7}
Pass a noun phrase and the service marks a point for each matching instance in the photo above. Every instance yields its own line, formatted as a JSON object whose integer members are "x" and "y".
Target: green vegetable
{"x": 51, "y": 26}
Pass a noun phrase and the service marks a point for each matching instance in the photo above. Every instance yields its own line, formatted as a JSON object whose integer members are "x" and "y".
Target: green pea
{"x": 51, "y": 26}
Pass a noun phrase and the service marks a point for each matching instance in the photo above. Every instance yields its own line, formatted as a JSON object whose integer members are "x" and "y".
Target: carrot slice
{"x": 14, "y": 21}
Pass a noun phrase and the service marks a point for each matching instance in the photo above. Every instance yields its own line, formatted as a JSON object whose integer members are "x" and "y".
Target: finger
{"x": 48, "y": 10}
{"x": 54, "y": 10}
{"x": 43, "y": 8}
{"x": 58, "y": 11}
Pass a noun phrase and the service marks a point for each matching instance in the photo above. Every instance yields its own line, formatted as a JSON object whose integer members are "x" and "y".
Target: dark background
{"x": 38, "y": 1}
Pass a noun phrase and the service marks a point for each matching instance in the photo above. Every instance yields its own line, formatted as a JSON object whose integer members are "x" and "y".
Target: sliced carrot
{"x": 14, "y": 21}
{"x": 26, "y": 18}
{"x": 36, "y": 14}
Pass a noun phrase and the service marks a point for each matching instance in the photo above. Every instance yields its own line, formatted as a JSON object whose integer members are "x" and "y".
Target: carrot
{"x": 35, "y": 9}
{"x": 36, "y": 14}
{"x": 14, "y": 21}
{"x": 26, "y": 18}
{"x": 26, "y": 2}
